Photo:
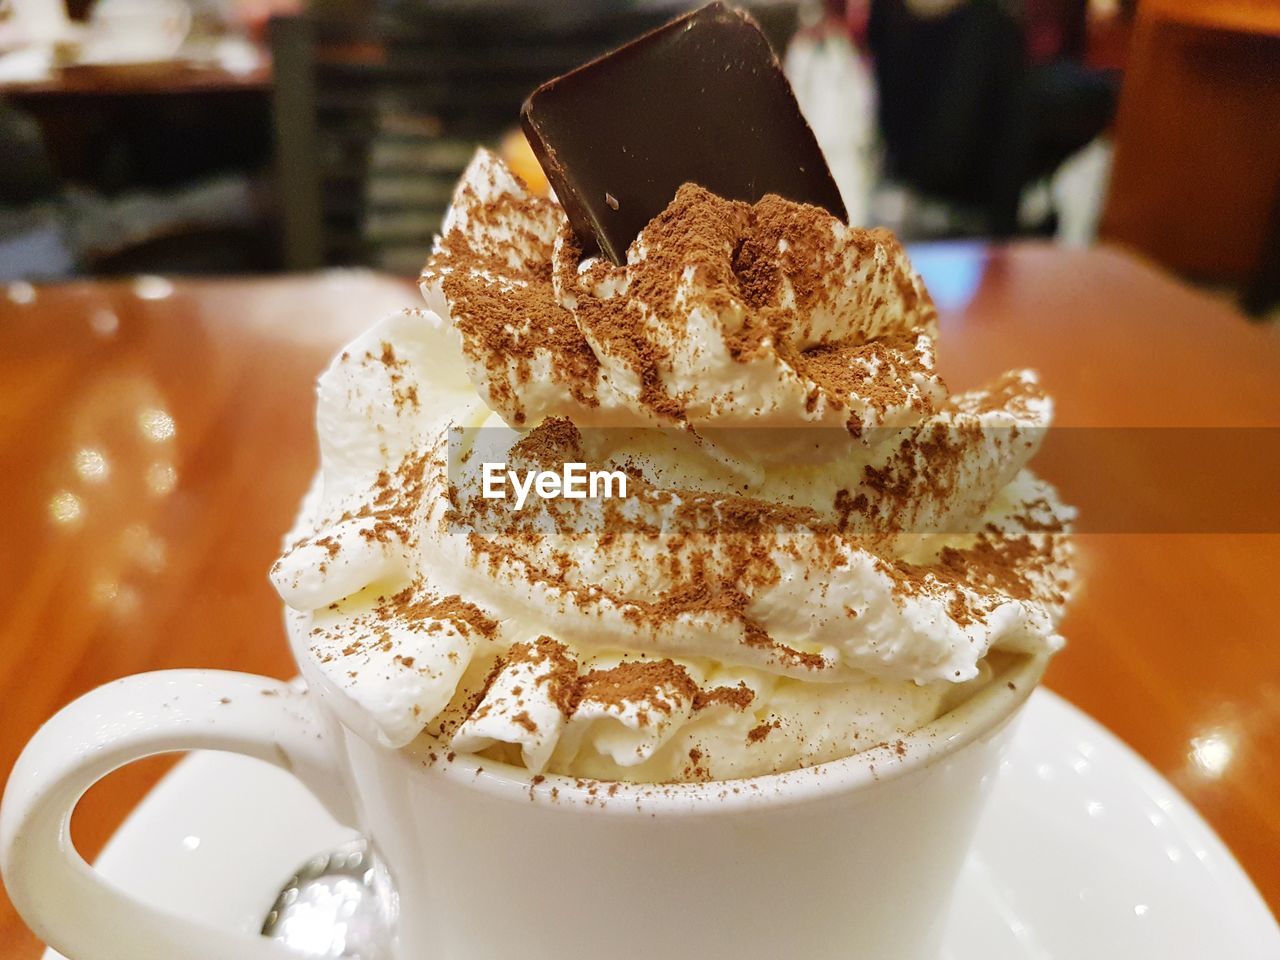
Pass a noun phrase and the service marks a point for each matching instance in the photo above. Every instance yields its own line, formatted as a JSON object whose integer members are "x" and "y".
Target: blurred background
{"x": 259, "y": 136}
{"x": 154, "y": 435}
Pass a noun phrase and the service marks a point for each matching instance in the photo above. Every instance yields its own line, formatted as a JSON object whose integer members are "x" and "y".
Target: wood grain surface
{"x": 156, "y": 437}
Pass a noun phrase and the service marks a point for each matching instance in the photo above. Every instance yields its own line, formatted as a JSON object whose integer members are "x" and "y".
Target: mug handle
{"x": 60, "y": 896}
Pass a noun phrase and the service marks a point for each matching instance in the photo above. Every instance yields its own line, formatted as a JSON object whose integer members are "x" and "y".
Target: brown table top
{"x": 171, "y": 77}
{"x": 155, "y": 441}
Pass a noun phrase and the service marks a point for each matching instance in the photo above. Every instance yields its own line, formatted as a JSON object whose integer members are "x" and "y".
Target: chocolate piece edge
{"x": 593, "y": 235}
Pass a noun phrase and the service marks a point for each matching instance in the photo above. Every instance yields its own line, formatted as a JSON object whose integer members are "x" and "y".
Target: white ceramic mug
{"x": 854, "y": 859}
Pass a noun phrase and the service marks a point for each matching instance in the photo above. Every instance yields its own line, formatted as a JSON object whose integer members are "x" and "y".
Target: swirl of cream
{"x": 822, "y": 585}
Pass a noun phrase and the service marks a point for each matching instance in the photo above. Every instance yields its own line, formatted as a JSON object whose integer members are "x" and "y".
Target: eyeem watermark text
{"x": 573, "y": 482}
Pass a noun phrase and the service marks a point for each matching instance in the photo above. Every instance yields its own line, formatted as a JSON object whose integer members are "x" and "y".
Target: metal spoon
{"x": 338, "y": 904}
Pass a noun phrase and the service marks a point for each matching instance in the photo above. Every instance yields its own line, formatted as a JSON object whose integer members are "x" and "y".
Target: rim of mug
{"x": 983, "y": 713}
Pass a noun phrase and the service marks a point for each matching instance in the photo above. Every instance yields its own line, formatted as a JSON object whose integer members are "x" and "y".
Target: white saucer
{"x": 1085, "y": 852}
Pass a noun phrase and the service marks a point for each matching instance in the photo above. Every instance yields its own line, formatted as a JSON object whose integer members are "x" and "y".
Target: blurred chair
{"x": 375, "y": 118}
{"x": 26, "y": 175}
{"x": 1196, "y": 180}
{"x": 977, "y": 102}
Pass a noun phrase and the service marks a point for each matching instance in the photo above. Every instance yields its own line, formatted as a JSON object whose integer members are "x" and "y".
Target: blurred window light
{"x": 156, "y": 424}
{"x": 147, "y": 287}
{"x": 91, "y": 465}
{"x": 143, "y": 547}
{"x": 1212, "y": 753}
{"x": 104, "y": 323}
{"x": 162, "y": 477}
{"x": 65, "y": 508}
{"x": 125, "y": 601}
{"x": 21, "y": 292}
{"x": 104, "y": 591}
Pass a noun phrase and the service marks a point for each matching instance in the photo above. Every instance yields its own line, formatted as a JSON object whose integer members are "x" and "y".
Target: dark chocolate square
{"x": 702, "y": 100}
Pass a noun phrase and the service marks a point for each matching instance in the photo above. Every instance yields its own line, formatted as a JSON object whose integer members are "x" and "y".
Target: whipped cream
{"x": 822, "y": 548}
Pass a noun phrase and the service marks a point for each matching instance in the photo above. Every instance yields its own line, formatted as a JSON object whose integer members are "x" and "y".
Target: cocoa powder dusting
{"x": 513, "y": 322}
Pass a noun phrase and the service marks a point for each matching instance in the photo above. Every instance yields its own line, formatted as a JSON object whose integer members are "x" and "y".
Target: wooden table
{"x": 175, "y": 77}
{"x": 155, "y": 440}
